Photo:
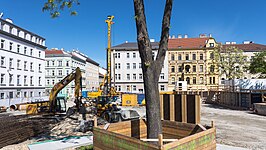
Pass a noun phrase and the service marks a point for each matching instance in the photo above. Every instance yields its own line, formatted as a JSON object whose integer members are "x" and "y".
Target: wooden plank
{"x": 172, "y": 107}
{"x": 161, "y": 106}
{"x": 184, "y": 107}
{"x": 197, "y": 108}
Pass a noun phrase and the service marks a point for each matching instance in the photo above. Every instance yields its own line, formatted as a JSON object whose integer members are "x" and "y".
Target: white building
{"x": 91, "y": 73}
{"x": 58, "y": 65}
{"x": 22, "y": 64}
{"x": 126, "y": 69}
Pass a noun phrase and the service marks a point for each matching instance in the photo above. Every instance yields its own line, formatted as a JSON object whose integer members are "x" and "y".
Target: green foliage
{"x": 258, "y": 64}
{"x": 88, "y": 147}
{"x": 56, "y": 6}
{"x": 230, "y": 61}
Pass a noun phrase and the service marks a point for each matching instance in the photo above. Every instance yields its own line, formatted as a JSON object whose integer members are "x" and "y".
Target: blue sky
{"x": 226, "y": 20}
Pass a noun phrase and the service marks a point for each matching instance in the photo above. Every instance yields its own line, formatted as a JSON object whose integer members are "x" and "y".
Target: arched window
{"x": 212, "y": 68}
{"x": 187, "y": 68}
{"x": 172, "y": 68}
{"x": 172, "y": 56}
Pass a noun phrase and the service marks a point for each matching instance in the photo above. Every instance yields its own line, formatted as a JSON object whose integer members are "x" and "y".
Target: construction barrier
{"x": 175, "y": 135}
{"x": 181, "y": 107}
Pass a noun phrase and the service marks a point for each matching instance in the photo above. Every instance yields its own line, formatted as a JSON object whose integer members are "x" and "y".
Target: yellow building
{"x": 192, "y": 60}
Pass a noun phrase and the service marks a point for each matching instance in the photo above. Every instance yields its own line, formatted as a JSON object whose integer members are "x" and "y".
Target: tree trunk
{"x": 152, "y": 68}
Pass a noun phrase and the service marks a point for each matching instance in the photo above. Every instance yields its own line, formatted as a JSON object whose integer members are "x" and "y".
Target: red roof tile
{"x": 53, "y": 51}
{"x": 185, "y": 43}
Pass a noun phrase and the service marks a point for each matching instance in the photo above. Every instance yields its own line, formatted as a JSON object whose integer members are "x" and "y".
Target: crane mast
{"x": 109, "y": 22}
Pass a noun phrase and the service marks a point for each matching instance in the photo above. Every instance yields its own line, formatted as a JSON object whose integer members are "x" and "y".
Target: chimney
{"x": 247, "y": 42}
{"x": 210, "y": 35}
{"x": 202, "y": 36}
{"x": 173, "y": 36}
{"x": 227, "y": 43}
{"x": 9, "y": 20}
{"x": 233, "y": 42}
{"x": 126, "y": 41}
{"x": 185, "y": 36}
{"x": 179, "y": 36}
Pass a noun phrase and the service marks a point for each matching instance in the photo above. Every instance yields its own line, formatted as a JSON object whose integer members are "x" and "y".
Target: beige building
{"x": 192, "y": 60}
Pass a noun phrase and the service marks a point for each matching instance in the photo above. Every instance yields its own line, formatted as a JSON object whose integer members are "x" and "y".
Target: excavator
{"x": 55, "y": 105}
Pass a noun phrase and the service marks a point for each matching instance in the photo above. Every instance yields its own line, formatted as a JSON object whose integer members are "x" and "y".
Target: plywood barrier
{"x": 180, "y": 107}
{"x": 176, "y": 135}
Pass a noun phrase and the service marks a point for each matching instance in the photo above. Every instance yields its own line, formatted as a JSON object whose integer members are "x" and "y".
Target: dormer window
{"x": 211, "y": 44}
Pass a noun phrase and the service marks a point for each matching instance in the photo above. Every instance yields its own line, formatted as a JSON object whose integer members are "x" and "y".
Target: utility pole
{"x": 109, "y": 23}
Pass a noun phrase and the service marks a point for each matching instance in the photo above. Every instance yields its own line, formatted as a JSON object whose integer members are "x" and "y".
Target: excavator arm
{"x": 75, "y": 75}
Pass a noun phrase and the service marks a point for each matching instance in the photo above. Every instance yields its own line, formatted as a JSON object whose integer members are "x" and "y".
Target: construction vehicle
{"x": 58, "y": 104}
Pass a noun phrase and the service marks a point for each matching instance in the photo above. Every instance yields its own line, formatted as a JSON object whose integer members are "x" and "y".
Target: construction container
{"x": 32, "y": 109}
{"x": 141, "y": 98}
{"x": 129, "y": 100}
{"x": 175, "y": 135}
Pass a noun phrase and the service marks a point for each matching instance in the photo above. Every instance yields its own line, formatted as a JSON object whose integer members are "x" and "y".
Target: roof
{"x": 133, "y": 46}
{"x": 251, "y": 47}
{"x": 55, "y": 52}
{"x": 187, "y": 43}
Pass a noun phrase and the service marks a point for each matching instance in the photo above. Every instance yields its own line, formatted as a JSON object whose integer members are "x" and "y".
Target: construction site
{"x": 217, "y": 117}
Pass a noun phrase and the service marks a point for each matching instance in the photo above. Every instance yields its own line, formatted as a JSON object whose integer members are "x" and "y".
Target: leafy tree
{"x": 231, "y": 61}
{"x": 151, "y": 68}
{"x": 258, "y": 64}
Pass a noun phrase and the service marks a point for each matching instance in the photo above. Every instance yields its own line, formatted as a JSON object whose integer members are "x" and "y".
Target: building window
{"x": 140, "y": 76}
{"x": 2, "y": 44}
{"x": 153, "y": 55}
{"x": 10, "y": 46}
{"x": 211, "y": 44}
{"x": 128, "y": 66}
{"x": 188, "y": 80}
{"x": 118, "y": 55}
{"x": 128, "y": 76}
{"x": 180, "y": 69}
{"x": 134, "y": 76}
{"x": 53, "y": 63}
{"x": 212, "y": 68}
{"x": 67, "y": 72}
{"x": 187, "y": 56}
{"x": 25, "y": 65}
{"x": 194, "y": 56}
{"x": 2, "y": 78}
{"x": 134, "y": 88}
{"x": 134, "y": 55}
{"x": 115, "y": 55}
{"x": 40, "y": 54}
{"x": 31, "y": 80}
{"x": 25, "y": 80}
{"x": 25, "y": 50}
{"x": 179, "y": 57}
{"x": 128, "y": 88}
{"x": 194, "y": 80}
{"x": 194, "y": 68}
{"x": 48, "y": 82}
{"x": 18, "y": 79}
{"x": 210, "y": 80}
{"x": 134, "y": 66}
{"x": 119, "y": 76}
{"x": 47, "y": 62}
{"x": 127, "y": 55}
{"x": 18, "y": 95}
{"x": 139, "y": 65}
{"x": 25, "y": 94}
{"x": 53, "y": 82}
{"x": 162, "y": 75}
{"x": 201, "y": 68}
{"x": 213, "y": 80}
{"x": 212, "y": 55}
{"x": 172, "y": 68}
{"x": 187, "y": 68}
{"x": 31, "y": 94}
{"x": 118, "y": 66}
{"x": 39, "y": 80}
{"x": 31, "y": 66}
{"x": 2, "y": 61}
{"x": 172, "y": 56}
{"x": 2, "y": 95}
{"x": 60, "y": 63}
{"x": 11, "y": 95}
{"x": 18, "y": 48}
{"x": 173, "y": 80}
{"x": 53, "y": 73}
{"x": 31, "y": 52}
{"x": 10, "y": 62}
{"x": 40, "y": 67}
{"x": 67, "y": 63}
{"x": 162, "y": 87}
{"x": 18, "y": 64}
{"x": 60, "y": 72}
{"x": 201, "y": 56}
{"x": 10, "y": 78}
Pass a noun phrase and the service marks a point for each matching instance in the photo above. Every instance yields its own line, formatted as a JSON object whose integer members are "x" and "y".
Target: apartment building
{"x": 126, "y": 69}
{"x": 249, "y": 49}
{"x": 58, "y": 65}
{"x": 91, "y": 71}
{"x": 22, "y": 63}
{"x": 192, "y": 60}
